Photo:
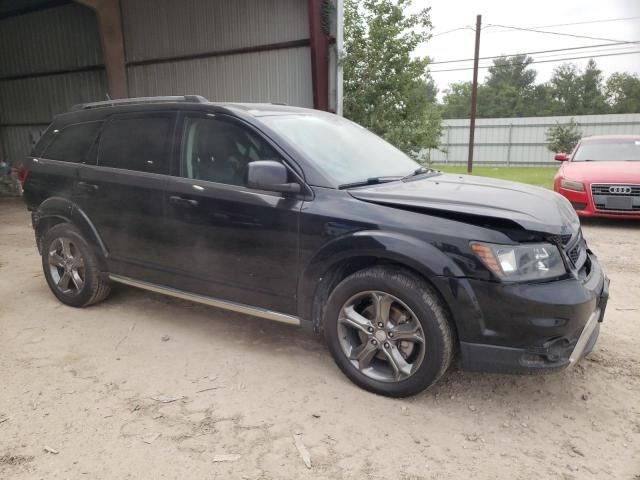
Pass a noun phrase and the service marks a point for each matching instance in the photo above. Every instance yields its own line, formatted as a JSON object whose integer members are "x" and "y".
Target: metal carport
{"x": 57, "y": 53}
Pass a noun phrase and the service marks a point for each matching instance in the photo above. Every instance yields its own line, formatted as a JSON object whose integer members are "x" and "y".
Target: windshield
{"x": 343, "y": 150}
{"x": 626, "y": 150}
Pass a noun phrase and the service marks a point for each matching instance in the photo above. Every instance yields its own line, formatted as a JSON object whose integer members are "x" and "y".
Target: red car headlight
{"x": 572, "y": 185}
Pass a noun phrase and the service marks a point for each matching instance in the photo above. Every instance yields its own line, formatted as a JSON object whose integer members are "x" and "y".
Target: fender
{"x": 396, "y": 247}
{"x": 63, "y": 209}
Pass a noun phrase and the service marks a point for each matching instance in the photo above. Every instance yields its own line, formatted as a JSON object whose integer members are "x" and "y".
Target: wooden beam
{"x": 319, "y": 55}
{"x": 111, "y": 38}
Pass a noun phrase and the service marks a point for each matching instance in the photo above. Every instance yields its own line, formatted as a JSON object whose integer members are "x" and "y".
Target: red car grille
{"x": 616, "y": 197}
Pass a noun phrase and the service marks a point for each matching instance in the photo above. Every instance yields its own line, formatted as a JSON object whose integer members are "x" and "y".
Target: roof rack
{"x": 140, "y": 100}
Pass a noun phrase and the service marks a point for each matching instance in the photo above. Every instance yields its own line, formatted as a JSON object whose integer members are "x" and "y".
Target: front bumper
{"x": 583, "y": 204}
{"x": 527, "y": 328}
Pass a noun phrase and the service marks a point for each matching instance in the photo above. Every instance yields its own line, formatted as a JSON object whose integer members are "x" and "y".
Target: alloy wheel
{"x": 66, "y": 266}
{"x": 381, "y": 336}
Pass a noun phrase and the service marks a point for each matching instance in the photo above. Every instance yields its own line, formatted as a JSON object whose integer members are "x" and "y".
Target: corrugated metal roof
{"x": 272, "y": 76}
{"x": 167, "y": 28}
{"x": 54, "y": 39}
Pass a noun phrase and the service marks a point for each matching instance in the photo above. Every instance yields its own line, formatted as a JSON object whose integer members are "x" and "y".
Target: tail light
{"x": 21, "y": 174}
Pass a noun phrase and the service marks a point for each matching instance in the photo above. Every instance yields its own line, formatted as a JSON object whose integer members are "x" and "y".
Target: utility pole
{"x": 474, "y": 95}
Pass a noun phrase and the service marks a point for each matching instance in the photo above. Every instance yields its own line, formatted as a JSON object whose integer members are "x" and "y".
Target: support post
{"x": 509, "y": 145}
{"x": 319, "y": 55}
{"x": 474, "y": 95}
{"x": 339, "y": 5}
{"x": 112, "y": 40}
{"x": 446, "y": 158}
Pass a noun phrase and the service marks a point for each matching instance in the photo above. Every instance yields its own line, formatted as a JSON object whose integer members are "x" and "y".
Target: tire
{"x": 71, "y": 268}
{"x": 414, "y": 309}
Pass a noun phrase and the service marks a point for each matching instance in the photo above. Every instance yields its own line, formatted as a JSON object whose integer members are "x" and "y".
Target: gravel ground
{"x": 144, "y": 386}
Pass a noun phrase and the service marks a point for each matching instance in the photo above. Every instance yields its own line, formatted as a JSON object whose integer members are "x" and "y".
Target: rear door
{"x": 123, "y": 193}
{"x": 230, "y": 241}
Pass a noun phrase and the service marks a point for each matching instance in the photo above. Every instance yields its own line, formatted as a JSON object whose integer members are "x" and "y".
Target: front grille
{"x": 561, "y": 239}
{"x": 618, "y": 189}
{"x": 616, "y": 197}
{"x": 576, "y": 250}
{"x": 574, "y": 254}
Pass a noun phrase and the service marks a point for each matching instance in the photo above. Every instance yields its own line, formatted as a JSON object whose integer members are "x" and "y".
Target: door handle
{"x": 89, "y": 187}
{"x": 183, "y": 201}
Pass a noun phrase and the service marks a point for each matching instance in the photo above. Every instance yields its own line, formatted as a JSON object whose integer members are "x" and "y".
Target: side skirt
{"x": 214, "y": 302}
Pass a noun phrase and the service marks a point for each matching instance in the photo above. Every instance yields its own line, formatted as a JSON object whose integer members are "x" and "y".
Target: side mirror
{"x": 271, "y": 176}
{"x": 561, "y": 157}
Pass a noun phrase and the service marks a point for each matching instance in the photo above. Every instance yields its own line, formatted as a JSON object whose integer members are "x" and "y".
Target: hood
{"x": 533, "y": 208}
{"x": 602, "y": 172}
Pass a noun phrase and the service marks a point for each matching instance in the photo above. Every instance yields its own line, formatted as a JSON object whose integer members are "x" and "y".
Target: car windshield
{"x": 343, "y": 150}
{"x": 625, "y": 150}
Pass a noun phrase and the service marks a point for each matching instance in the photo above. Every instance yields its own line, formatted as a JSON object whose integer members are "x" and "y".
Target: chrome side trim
{"x": 214, "y": 302}
{"x": 583, "y": 340}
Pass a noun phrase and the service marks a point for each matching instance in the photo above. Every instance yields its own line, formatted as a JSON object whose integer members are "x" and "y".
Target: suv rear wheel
{"x": 71, "y": 268}
{"x": 388, "y": 331}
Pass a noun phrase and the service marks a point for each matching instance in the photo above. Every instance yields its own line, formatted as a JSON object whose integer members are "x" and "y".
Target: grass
{"x": 539, "y": 176}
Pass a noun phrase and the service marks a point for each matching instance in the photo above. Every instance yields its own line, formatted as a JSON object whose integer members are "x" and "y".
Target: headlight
{"x": 521, "y": 263}
{"x": 572, "y": 185}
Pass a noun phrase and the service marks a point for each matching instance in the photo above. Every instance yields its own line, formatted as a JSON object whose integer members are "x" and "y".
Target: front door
{"x": 230, "y": 241}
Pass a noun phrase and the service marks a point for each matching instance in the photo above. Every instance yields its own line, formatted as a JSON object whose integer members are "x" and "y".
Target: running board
{"x": 214, "y": 302}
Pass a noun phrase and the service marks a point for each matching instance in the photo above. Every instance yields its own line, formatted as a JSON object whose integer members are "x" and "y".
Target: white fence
{"x": 519, "y": 141}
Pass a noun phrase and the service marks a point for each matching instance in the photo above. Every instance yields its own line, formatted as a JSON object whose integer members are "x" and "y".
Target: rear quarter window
{"x": 73, "y": 142}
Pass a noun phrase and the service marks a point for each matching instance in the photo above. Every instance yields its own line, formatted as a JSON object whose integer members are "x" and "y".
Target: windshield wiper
{"x": 420, "y": 171}
{"x": 369, "y": 181}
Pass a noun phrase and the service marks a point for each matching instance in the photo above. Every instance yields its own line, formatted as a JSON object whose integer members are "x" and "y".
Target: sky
{"x": 453, "y": 14}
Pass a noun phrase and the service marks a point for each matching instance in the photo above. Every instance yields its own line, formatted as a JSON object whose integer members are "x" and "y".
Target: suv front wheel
{"x": 71, "y": 268}
{"x": 388, "y": 331}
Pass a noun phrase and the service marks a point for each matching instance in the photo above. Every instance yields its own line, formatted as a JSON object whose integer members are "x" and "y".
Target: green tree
{"x": 622, "y": 91}
{"x": 456, "y": 100}
{"x": 563, "y": 138}
{"x": 593, "y": 99}
{"x": 386, "y": 86}
{"x": 577, "y": 93}
{"x": 565, "y": 90}
{"x": 508, "y": 88}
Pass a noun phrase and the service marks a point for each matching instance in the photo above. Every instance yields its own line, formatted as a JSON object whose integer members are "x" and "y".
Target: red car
{"x": 601, "y": 178}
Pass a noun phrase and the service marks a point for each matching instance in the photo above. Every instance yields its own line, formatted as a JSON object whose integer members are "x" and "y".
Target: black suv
{"x": 301, "y": 216}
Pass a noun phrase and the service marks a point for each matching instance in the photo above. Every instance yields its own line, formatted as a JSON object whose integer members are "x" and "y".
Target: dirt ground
{"x": 143, "y": 386}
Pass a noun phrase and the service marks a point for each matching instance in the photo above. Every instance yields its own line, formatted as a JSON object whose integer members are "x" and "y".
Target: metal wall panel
{"x": 167, "y": 28}
{"x": 37, "y": 100}
{"x": 53, "y": 39}
{"x": 17, "y": 142}
{"x": 520, "y": 141}
{"x": 272, "y": 76}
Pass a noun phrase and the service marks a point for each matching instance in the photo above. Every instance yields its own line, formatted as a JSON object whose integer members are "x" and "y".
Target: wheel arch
{"x": 347, "y": 255}
{"x": 56, "y": 210}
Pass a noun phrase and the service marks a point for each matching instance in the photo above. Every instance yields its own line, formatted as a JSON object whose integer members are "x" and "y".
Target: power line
{"x": 587, "y": 22}
{"x": 536, "y": 52}
{"x": 451, "y": 31}
{"x": 580, "y": 23}
{"x": 541, "y": 61}
{"x": 555, "y": 33}
{"x": 619, "y": 49}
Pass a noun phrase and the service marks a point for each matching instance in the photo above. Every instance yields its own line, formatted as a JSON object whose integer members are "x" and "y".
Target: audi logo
{"x": 620, "y": 189}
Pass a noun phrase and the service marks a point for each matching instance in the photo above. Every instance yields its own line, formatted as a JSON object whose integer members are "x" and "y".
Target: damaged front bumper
{"x": 528, "y": 328}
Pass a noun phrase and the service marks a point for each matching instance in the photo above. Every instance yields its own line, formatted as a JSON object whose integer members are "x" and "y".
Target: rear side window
{"x": 136, "y": 143}
{"x": 72, "y": 143}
